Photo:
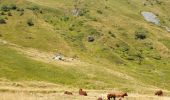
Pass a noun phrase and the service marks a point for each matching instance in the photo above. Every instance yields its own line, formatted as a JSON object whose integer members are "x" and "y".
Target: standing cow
{"x": 159, "y": 93}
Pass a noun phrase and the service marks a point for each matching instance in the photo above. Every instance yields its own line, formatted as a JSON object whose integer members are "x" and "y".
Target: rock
{"x": 90, "y": 39}
{"x": 58, "y": 57}
{"x": 150, "y": 17}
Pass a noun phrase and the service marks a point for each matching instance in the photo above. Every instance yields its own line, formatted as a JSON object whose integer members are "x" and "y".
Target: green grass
{"x": 17, "y": 67}
{"x": 57, "y": 30}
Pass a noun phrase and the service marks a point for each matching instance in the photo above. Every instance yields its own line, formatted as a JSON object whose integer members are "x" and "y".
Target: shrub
{"x": 5, "y": 8}
{"x": 112, "y": 34}
{"x": 41, "y": 12}
{"x": 30, "y": 22}
{"x": 20, "y": 9}
{"x": 2, "y": 21}
{"x": 141, "y": 34}
{"x": 6, "y": 18}
{"x": 129, "y": 57}
{"x": 99, "y": 12}
{"x": 13, "y": 7}
{"x": 71, "y": 28}
{"x": 139, "y": 57}
{"x": 156, "y": 57}
{"x": 83, "y": 12}
{"x": 21, "y": 13}
{"x": 9, "y": 14}
{"x": 65, "y": 18}
{"x": 3, "y": 13}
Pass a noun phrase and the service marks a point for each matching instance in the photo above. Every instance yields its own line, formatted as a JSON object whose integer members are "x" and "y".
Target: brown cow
{"x": 68, "y": 93}
{"x": 159, "y": 93}
{"x": 116, "y": 95}
{"x": 100, "y": 98}
{"x": 83, "y": 93}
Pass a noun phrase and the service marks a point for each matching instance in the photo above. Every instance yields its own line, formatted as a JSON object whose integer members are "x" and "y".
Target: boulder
{"x": 90, "y": 38}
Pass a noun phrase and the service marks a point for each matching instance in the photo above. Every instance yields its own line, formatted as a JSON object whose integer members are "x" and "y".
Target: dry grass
{"x": 48, "y": 91}
{"x": 61, "y": 96}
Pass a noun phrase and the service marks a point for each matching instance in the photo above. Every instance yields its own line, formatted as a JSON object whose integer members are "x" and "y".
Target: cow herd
{"x": 110, "y": 95}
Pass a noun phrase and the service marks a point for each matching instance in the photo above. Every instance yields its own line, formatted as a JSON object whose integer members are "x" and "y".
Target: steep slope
{"x": 126, "y": 49}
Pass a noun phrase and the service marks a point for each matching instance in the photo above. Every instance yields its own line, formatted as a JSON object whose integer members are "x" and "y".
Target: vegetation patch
{"x": 2, "y": 20}
{"x": 141, "y": 34}
{"x": 30, "y": 22}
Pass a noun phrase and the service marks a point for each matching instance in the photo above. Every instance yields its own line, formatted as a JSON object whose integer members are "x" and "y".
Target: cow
{"x": 68, "y": 93}
{"x": 83, "y": 93}
{"x": 116, "y": 95}
{"x": 159, "y": 93}
{"x": 100, "y": 98}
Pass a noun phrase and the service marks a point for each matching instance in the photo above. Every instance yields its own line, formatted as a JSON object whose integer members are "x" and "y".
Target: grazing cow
{"x": 111, "y": 95}
{"x": 68, "y": 93}
{"x": 159, "y": 93}
{"x": 116, "y": 95}
{"x": 100, "y": 98}
{"x": 83, "y": 93}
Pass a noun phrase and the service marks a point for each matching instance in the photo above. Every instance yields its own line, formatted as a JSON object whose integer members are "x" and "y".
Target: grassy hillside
{"x": 117, "y": 58}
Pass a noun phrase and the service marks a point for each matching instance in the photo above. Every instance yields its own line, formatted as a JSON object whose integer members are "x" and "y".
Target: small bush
{"x": 112, "y": 34}
{"x": 141, "y": 34}
{"x": 2, "y": 21}
{"x": 139, "y": 57}
{"x": 65, "y": 18}
{"x": 30, "y": 22}
{"x": 3, "y": 13}
{"x": 9, "y": 14}
{"x": 41, "y": 12}
{"x": 5, "y": 8}
{"x": 83, "y": 12}
{"x": 130, "y": 57}
{"x": 21, "y": 13}
{"x": 13, "y": 7}
{"x": 6, "y": 18}
{"x": 99, "y": 12}
{"x": 71, "y": 28}
{"x": 20, "y": 9}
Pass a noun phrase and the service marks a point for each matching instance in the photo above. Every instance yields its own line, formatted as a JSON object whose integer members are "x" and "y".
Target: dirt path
{"x": 43, "y": 56}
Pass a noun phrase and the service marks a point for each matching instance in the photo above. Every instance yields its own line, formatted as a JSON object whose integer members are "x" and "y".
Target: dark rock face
{"x": 91, "y": 39}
